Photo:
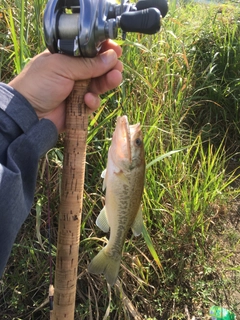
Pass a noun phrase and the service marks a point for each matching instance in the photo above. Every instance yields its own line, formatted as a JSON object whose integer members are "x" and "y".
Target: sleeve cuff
{"x": 44, "y": 136}
{"x": 11, "y": 100}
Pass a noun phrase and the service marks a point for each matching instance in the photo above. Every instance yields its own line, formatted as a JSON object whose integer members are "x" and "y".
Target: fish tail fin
{"x": 108, "y": 265}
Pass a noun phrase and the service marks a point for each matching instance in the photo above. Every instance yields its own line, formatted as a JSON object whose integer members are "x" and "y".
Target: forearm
{"x": 23, "y": 140}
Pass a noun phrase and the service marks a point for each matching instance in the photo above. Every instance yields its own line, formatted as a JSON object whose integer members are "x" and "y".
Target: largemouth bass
{"x": 124, "y": 182}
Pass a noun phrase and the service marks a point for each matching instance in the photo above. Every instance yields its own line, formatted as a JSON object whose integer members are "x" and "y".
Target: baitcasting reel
{"x": 78, "y": 27}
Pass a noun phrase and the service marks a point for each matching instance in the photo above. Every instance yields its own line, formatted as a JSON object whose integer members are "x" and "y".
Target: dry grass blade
{"x": 127, "y": 302}
{"x": 43, "y": 304}
{"x": 92, "y": 290}
{"x": 109, "y": 303}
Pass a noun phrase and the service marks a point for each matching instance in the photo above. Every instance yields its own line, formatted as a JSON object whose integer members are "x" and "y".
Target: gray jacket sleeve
{"x": 23, "y": 140}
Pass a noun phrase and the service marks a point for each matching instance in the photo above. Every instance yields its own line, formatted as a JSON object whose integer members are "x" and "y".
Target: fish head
{"x": 127, "y": 150}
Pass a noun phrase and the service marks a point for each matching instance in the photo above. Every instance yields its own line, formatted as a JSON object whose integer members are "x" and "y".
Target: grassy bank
{"x": 183, "y": 86}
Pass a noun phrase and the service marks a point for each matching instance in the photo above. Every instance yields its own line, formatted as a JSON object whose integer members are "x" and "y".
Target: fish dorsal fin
{"x": 104, "y": 176}
{"x": 102, "y": 221}
{"x": 137, "y": 226}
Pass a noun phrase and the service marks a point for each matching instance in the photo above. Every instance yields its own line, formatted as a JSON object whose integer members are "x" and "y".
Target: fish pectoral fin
{"x": 104, "y": 176}
{"x": 120, "y": 174}
{"x": 137, "y": 226}
{"x": 102, "y": 221}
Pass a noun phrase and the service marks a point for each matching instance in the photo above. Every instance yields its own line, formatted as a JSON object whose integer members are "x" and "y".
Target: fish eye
{"x": 138, "y": 142}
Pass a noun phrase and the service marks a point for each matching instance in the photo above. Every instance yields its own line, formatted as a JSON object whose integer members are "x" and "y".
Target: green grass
{"x": 183, "y": 86}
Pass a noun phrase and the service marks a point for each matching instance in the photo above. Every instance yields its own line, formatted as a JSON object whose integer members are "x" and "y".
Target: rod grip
{"x": 70, "y": 210}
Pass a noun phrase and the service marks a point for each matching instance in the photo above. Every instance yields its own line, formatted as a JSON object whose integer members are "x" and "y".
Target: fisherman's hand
{"x": 48, "y": 79}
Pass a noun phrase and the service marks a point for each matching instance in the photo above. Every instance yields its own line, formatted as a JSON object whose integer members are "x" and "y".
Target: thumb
{"x": 86, "y": 68}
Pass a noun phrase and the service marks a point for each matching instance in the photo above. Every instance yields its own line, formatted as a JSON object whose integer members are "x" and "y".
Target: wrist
{"x": 57, "y": 116}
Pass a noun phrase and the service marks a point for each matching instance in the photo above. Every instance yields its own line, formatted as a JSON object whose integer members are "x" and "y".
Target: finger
{"x": 107, "y": 82}
{"x": 92, "y": 101}
{"x": 83, "y": 68}
{"x": 110, "y": 44}
{"x": 106, "y": 45}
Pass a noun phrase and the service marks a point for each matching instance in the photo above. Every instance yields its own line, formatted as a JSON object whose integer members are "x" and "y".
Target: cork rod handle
{"x": 70, "y": 211}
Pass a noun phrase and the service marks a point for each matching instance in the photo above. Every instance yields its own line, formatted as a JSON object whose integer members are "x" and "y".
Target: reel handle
{"x": 144, "y": 21}
{"x": 161, "y": 5}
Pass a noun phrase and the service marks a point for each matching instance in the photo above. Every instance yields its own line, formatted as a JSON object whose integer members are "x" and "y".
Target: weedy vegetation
{"x": 183, "y": 86}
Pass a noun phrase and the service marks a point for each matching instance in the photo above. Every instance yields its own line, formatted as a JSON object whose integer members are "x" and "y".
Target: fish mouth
{"x": 125, "y": 134}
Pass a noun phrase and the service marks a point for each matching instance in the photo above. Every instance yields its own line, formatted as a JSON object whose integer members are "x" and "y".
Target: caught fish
{"x": 124, "y": 182}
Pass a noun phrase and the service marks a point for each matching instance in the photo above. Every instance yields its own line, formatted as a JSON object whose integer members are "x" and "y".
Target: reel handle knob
{"x": 161, "y": 5}
{"x": 145, "y": 21}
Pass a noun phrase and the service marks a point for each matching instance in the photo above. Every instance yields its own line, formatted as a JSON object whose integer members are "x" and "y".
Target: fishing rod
{"x": 78, "y": 28}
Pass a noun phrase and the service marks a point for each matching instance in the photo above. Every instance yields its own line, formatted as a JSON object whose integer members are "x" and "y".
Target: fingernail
{"x": 108, "y": 56}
